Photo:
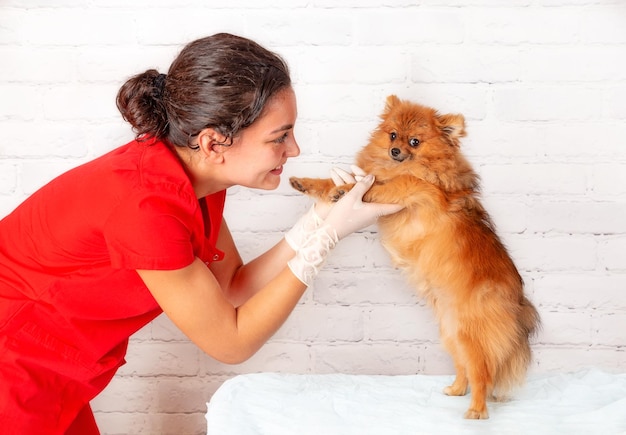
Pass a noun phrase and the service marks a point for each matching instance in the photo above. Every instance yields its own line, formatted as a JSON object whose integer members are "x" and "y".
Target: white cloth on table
{"x": 586, "y": 402}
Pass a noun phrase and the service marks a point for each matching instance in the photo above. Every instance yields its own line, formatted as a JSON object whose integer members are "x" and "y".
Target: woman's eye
{"x": 393, "y": 136}
{"x": 281, "y": 139}
{"x": 414, "y": 142}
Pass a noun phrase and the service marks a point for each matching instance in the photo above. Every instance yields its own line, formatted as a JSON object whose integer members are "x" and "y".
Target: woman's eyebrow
{"x": 284, "y": 127}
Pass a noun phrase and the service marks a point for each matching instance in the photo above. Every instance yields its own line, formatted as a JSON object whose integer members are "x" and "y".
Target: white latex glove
{"x": 351, "y": 214}
{"x": 315, "y": 216}
{"x": 340, "y": 176}
{"x": 301, "y": 231}
{"x": 347, "y": 215}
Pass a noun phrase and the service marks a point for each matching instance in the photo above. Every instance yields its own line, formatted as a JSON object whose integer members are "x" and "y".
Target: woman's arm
{"x": 193, "y": 299}
{"x": 241, "y": 281}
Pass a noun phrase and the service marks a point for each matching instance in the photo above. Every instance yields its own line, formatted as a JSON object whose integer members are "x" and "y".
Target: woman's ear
{"x": 210, "y": 142}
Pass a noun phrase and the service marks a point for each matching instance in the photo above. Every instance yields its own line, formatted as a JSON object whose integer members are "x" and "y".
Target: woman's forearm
{"x": 251, "y": 277}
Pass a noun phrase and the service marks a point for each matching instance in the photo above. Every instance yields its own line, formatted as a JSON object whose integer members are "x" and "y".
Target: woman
{"x": 106, "y": 247}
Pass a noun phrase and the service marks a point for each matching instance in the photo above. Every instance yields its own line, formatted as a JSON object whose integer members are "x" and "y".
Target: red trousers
{"x": 35, "y": 400}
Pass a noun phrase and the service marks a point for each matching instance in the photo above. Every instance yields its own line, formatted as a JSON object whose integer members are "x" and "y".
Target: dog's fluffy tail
{"x": 511, "y": 373}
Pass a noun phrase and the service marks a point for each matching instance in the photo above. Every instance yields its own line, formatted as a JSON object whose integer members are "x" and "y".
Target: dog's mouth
{"x": 397, "y": 154}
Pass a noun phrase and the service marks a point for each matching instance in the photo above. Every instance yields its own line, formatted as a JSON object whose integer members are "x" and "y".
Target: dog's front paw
{"x": 337, "y": 193}
{"x": 296, "y": 183}
{"x": 475, "y": 414}
{"x": 319, "y": 188}
{"x": 453, "y": 390}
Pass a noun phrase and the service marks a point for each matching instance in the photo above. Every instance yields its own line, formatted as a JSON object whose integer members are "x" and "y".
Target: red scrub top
{"x": 69, "y": 293}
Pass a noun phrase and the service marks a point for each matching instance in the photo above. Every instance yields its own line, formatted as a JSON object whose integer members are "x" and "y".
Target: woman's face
{"x": 258, "y": 153}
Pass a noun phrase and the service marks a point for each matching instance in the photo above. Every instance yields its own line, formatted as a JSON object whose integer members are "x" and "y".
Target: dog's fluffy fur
{"x": 446, "y": 243}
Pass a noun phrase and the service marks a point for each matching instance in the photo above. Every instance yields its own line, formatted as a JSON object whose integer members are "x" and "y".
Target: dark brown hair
{"x": 221, "y": 82}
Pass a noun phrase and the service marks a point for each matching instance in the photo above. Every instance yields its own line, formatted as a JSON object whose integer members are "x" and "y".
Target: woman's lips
{"x": 278, "y": 170}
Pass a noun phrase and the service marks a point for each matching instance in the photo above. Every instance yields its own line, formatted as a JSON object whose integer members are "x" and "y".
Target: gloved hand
{"x": 315, "y": 216}
{"x": 348, "y": 215}
{"x": 351, "y": 214}
{"x": 307, "y": 224}
{"x": 339, "y": 176}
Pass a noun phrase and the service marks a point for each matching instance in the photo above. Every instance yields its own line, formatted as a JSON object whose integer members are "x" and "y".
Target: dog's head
{"x": 416, "y": 140}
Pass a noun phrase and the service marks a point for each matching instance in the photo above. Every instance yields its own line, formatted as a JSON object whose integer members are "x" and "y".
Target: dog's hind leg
{"x": 481, "y": 384}
{"x": 459, "y": 386}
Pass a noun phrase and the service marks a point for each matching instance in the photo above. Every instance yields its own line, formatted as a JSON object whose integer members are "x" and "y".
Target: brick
{"x": 609, "y": 179}
{"x": 616, "y": 101}
{"x": 8, "y": 204}
{"x": 604, "y": 25}
{"x": 351, "y": 65}
{"x": 377, "y": 287}
{"x": 569, "y": 359}
{"x": 401, "y": 324}
{"x": 605, "y": 327}
{"x": 165, "y": 423}
{"x": 275, "y": 356}
{"x": 8, "y": 177}
{"x": 261, "y": 213}
{"x": 581, "y": 292}
{"x": 571, "y": 327}
{"x": 543, "y": 103}
{"x": 20, "y": 102}
{"x": 36, "y": 173}
{"x": 319, "y": 323}
{"x": 66, "y": 26}
{"x": 481, "y": 64}
{"x": 553, "y": 253}
{"x": 509, "y": 215}
{"x": 162, "y": 358}
{"x": 168, "y": 423}
{"x": 65, "y": 141}
{"x": 437, "y": 361}
{"x": 162, "y": 329}
{"x": 472, "y": 100}
{"x": 513, "y": 26}
{"x": 534, "y": 178}
{"x": 409, "y": 26}
{"x": 117, "y": 63}
{"x": 338, "y": 103}
{"x": 487, "y": 139}
{"x": 367, "y": 359}
{"x": 567, "y": 141}
{"x": 80, "y": 101}
{"x": 370, "y": 253}
{"x": 12, "y": 26}
{"x": 345, "y": 139}
{"x": 560, "y": 64}
{"x": 301, "y": 27}
{"x": 575, "y": 217}
{"x": 121, "y": 423}
{"x": 127, "y": 394}
{"x": 149, "y": 30}
{"x": 583, "y": 141}
{"x": 26, "y": 64}
{"x": 611, "y": 254}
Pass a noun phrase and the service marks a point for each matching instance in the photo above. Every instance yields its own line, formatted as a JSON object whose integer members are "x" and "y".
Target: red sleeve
{"x": 152, "y": 230}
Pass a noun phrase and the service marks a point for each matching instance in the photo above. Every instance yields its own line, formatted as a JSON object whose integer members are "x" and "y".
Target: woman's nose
{"x": 293, "y": 150}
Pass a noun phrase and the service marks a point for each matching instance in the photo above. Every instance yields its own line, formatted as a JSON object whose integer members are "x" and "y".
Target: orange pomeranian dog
{"x": 446, "y": 244}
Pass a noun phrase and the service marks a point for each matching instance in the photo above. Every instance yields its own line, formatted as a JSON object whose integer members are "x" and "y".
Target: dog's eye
{"x": 393, "y": 136}
{"x": 414, "y": 142}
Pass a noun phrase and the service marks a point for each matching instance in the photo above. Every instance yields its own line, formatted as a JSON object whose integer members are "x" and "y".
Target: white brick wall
{"x": 542, "y": 84}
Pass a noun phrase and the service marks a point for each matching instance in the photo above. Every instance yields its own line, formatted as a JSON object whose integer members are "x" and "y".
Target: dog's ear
{"x": 390, "y": 103}
{"x": 452, "y": 127}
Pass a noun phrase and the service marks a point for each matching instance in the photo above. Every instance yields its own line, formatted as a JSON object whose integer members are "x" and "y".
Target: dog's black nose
{"x": 396, "y": 154}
